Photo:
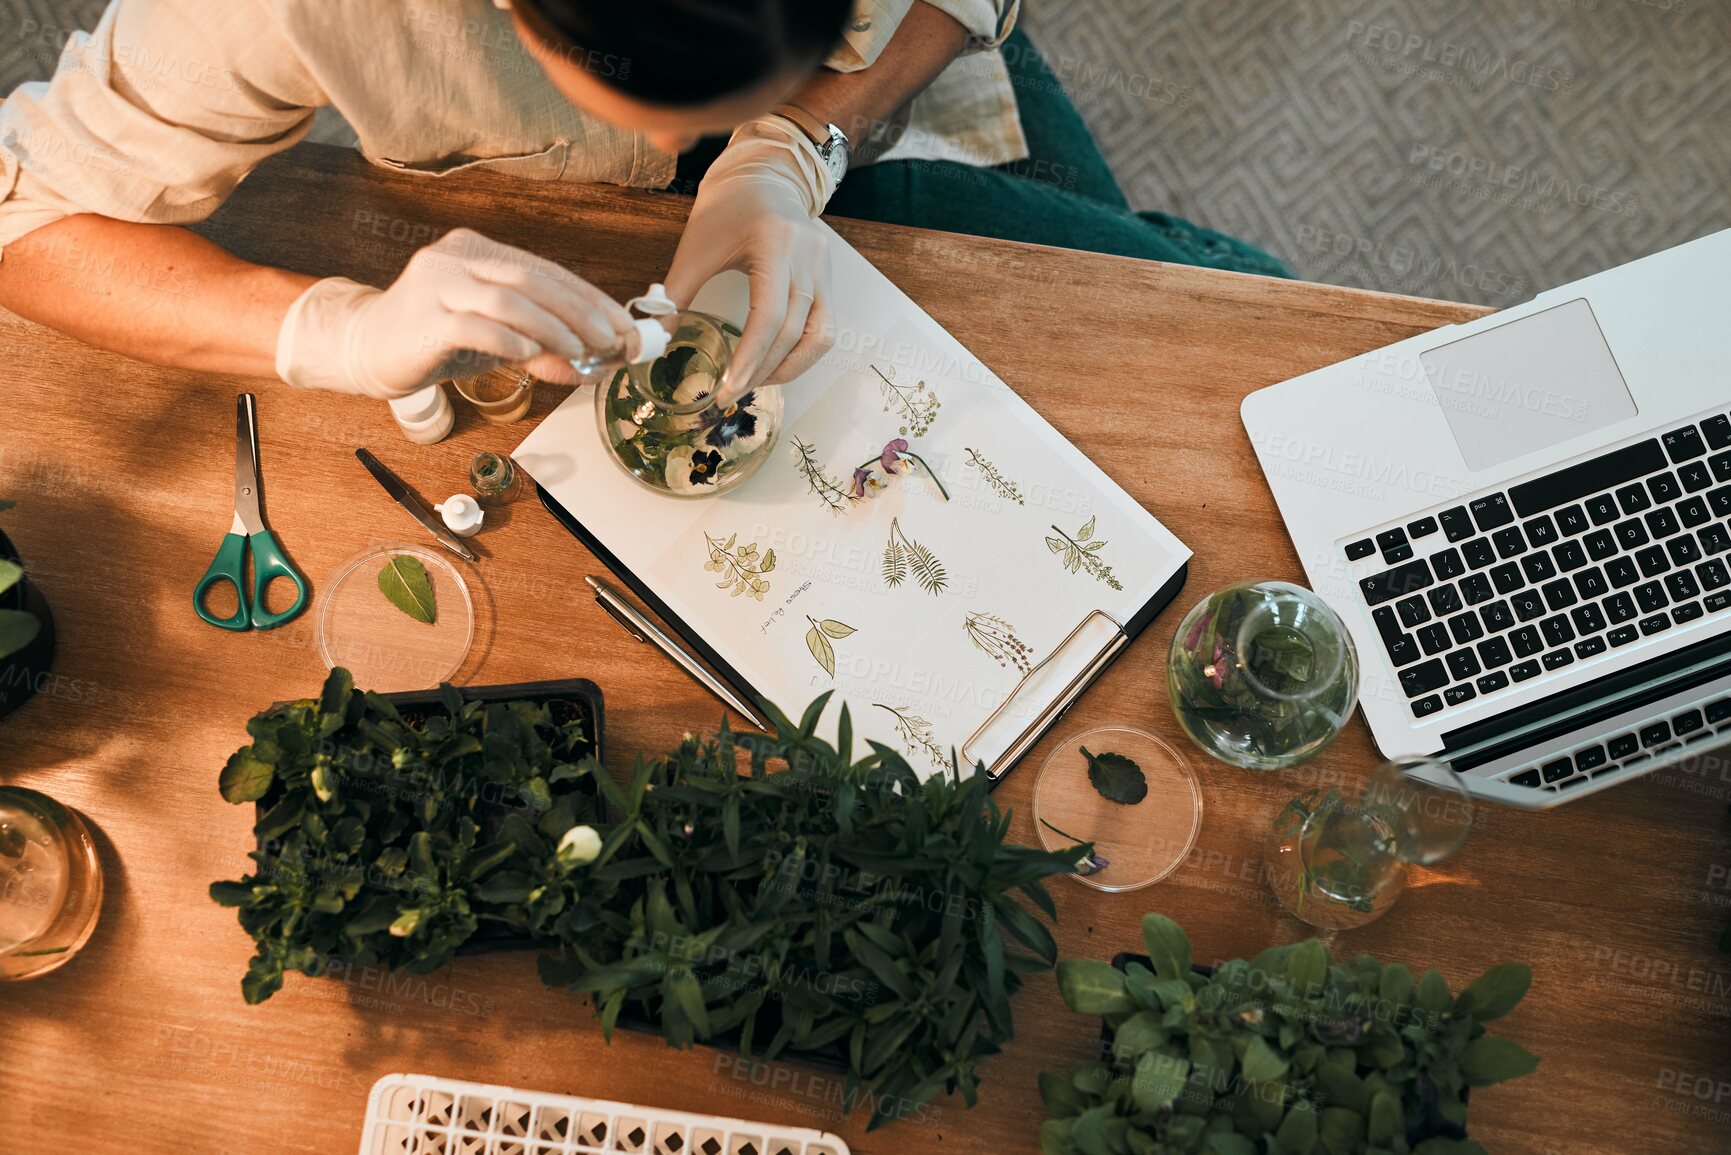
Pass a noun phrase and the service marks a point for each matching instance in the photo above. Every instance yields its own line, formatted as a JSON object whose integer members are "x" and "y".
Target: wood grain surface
{"x": 122, "y": 475}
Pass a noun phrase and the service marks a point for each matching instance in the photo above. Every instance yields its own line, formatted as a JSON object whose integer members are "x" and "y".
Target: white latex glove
{"x": 756, "y": 212}
{"x": 461, "y": 305}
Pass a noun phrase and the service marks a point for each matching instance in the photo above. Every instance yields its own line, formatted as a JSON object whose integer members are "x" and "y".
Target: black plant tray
{"x": 584, "y": 697}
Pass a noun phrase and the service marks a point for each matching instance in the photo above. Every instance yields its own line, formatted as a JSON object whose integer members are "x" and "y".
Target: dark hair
{"x": 684, "y": 52}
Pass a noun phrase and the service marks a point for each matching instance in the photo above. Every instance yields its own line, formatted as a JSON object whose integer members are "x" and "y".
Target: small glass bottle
{"x": 495, "y": 480}
{"x": 646, "y": 342}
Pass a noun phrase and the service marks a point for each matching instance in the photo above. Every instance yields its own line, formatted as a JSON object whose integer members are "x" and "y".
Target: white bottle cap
{"x": 654, "y": 303}
{"x": 417, "y": 406}
{"x": 461, "y": 514}
{"x": 651, "y": 340}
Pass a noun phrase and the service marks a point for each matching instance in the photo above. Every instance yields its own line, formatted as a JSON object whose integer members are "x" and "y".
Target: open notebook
{"x": 1048, "y": 568}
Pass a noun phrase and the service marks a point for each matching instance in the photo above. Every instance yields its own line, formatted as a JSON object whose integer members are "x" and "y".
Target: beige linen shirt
{"x": 159, "y": 112}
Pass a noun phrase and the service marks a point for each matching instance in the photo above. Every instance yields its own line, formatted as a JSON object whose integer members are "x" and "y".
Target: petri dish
{"x": 384, "y": 648}
{"x": 1142, "y": 842}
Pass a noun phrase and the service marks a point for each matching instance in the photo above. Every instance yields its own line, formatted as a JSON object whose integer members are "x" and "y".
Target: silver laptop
{"x": 1525, "y": 522}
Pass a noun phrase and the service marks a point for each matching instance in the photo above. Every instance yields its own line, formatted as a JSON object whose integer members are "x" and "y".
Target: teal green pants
{"x": 1063, "y": 194}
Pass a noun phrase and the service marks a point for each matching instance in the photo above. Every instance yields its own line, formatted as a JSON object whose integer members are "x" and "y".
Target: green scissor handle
{"x": 229, "y": 566}
{"x": 268, "y": 562}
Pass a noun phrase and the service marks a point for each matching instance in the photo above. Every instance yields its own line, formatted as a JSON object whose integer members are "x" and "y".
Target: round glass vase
{"x": 660, "y": 424}
{"x": 1262, "y": 675}
{"x": 50, "y": 884}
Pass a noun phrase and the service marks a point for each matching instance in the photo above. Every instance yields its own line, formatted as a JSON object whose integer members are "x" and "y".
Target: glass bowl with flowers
{"x": 660, "y": 421}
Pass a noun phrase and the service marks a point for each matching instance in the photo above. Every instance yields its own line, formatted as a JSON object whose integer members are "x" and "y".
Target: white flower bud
{"x": 579, "y": 845}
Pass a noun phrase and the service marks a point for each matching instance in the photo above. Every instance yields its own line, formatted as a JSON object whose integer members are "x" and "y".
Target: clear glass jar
{"x": 501, "y": 395}
{"x": 495, "y": 480}
{"x": 1262, "y": 675}
{"x": 50, "y": 883}
{"x": 659, "y": 421}
{"x": 1338, "y": 858}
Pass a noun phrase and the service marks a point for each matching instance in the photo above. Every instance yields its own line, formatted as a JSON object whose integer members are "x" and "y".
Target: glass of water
{"x": 1339, "y": 856}
{"x": 50, "y": 883}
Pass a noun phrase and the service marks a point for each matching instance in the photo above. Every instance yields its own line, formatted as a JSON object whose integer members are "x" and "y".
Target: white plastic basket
{"x": 423, "y": 1115}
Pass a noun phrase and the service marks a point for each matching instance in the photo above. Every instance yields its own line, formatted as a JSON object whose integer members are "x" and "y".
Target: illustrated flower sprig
{"x": 916, "y": 733}
{"x": 904, "y": 555}
{"x": 866, "y": 483}
{"x": 741, "y": 568}
{"x": 1001, "y": 485}
{"x": 1082, "y": 552}
{"x": 828, "y": 490}
{"x": 817, "y": 640}
{"x": 997, "y": 639}
{"x": 916, "y": 407}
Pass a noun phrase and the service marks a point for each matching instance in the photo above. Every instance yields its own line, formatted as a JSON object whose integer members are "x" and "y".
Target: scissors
{"x": 268, "y": 562}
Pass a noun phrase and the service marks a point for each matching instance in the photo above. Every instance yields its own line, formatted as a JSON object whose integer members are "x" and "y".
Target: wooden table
{"x": 122, "y": 476}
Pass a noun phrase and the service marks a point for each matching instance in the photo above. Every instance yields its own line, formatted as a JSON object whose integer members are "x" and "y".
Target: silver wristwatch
{"x": 832, "y": 143}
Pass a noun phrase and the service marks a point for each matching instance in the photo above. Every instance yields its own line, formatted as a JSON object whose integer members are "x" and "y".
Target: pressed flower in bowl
{"x": 659, "y": 421}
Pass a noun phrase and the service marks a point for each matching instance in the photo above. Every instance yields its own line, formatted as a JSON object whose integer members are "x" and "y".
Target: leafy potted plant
{"x": 835, "y": 908}
{"x": 383, "y": 820}
{"x": 26, "y": 629}
{"x": 1284, "y": 1053}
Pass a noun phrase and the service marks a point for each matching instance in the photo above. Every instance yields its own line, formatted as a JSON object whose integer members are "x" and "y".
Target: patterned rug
{"x": 1481, "y": 150}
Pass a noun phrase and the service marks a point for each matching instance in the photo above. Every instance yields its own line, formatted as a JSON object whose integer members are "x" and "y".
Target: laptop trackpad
{"x": 1528, "y": 385}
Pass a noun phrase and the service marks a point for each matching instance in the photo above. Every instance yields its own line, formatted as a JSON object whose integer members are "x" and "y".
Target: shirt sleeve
{"x": 154, "y": 116}
{"x": 874, "y": 21}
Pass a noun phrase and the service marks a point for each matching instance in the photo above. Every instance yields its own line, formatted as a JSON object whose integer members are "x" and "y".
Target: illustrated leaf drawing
{"x": 821, "y": 649}
{"x": 895, "y": 564}
{"x": 997, "y": 639}
{"x": 817, "y": 640}
{"x": 928, "y": 570}
{"x": 1003, "y": 486}
{"x": 741, "y": 568}
{"x": 827, "y": 488}
{"x": 405, "y": 583}
{"x": 902, "y": 553}
{"x": 1081, "y": 552}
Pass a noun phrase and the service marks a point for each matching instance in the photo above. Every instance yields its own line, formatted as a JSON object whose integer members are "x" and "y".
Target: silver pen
{"x": 645, "y": 630}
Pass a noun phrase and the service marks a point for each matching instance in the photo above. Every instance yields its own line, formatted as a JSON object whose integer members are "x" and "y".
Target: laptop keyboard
{"x": 1628, "y": 748}
{"x": 1529, "y": 579}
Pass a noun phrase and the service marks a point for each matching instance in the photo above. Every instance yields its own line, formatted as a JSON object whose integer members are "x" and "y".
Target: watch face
{"x": 834, "y": 156}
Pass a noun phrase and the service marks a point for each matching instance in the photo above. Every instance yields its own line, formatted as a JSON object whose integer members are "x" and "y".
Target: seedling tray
{"x": 423, "y": 1115}
{"x": 583, "y": 695}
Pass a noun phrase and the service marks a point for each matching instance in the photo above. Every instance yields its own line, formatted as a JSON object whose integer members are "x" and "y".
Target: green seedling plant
{"x": 1287, "y": 1053}
{"x": 384, "y": 840}
{"x": 18, "y": 628}
{"x": 781, "y": 895}
{"x": 819, "y": 902}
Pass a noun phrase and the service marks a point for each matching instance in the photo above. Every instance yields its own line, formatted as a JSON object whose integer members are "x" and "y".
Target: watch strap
{"x": 817, "y": 131}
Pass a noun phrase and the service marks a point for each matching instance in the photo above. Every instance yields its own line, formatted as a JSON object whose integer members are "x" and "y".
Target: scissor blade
{"x": 417, "y": 510}
{"x": 247, "y": 517}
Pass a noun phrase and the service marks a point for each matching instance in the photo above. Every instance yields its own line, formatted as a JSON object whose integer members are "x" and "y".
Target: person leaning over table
{"x": 152, "y": 119}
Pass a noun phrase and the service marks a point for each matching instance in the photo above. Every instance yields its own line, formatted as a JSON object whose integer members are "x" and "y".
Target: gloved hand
{"x": 461, "y": 305}
{"x": 756, "y": 212}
